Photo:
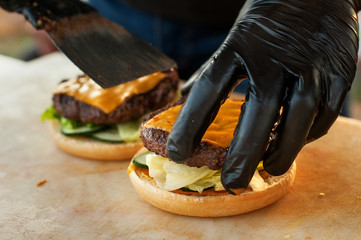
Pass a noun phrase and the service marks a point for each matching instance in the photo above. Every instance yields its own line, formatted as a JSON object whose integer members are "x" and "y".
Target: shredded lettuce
{"x": 170, "y": 176}
{"x": 211, "y": 180}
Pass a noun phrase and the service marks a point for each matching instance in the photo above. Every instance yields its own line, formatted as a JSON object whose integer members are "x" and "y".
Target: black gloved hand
{"x": 300, "y": 57}
{"x": 42, "y": 13}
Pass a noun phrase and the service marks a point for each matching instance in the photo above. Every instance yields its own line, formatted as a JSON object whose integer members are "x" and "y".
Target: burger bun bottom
{"x": 89, "y": 148}
{"x": 210, "y": 206}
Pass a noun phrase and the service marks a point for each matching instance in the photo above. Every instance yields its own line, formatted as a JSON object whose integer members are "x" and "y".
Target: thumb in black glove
{"x": 300, "y": 57}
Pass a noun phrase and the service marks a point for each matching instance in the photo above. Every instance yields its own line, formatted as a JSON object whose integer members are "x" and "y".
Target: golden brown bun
{"x": 210, "y": 206}
{"x": 92, "y": 149}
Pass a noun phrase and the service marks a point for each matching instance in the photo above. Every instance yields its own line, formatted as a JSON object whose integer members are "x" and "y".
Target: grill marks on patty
{"x": 155, "y": 140}
{"x": 132, "y": 108}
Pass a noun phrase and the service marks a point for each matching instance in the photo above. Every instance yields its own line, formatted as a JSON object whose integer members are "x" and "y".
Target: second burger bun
{"x": 209, "y": 206}
{"x": 86, "y": 147}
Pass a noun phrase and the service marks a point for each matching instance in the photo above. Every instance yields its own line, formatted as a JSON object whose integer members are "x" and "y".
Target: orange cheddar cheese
{"x": 219, "y": 133}
{"x": 86, "y": 90}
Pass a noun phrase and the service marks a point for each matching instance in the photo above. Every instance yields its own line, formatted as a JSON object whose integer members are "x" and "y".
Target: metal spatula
{"x": 103, "y": 50}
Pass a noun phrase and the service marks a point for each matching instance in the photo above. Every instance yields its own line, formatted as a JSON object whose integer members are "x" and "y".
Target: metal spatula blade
{"x": 103, "y": 50}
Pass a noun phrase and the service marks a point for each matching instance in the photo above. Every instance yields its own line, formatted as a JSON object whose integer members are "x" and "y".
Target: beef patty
{"x": 132, "y": 108}
{"x": 155, "y": 140}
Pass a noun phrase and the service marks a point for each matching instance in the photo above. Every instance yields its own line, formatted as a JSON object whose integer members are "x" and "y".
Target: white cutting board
{"x": 84, "y": 199}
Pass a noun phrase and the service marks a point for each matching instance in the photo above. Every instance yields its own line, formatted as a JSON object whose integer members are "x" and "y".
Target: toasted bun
{"x": 92, "y": 149}
{"x": 210, "y": 206}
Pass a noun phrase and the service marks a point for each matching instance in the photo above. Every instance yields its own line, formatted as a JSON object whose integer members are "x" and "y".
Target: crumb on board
{"x": 41, "y": 183}
{"x": 321, "y": 194}
{"x": 308, "y": 238}
{"x": 287, "y": 236}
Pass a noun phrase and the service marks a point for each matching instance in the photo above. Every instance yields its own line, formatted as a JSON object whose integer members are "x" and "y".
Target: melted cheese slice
{"x": 86, "y": 90}
{"x": 219, "y": 133}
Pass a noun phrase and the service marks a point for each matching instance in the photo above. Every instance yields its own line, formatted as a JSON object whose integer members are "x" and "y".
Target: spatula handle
{"x": 44, "y": 13}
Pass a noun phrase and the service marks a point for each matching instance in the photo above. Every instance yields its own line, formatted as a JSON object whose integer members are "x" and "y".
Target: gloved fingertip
{"x": 234, "y": 182}
{"x": 237, "y": 191}
{"x": 174, "y": 153}
{"x": 275, "y": 168}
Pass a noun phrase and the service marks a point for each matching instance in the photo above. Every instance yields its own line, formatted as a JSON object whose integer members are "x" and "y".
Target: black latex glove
{"x": 41, "y": 13}
{"x": 300, "y": 56}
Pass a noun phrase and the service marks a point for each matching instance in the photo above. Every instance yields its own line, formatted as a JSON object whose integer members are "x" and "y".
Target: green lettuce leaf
{"x": 50, "y": 114}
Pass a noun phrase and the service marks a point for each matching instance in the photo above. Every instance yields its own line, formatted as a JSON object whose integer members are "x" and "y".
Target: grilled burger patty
{"x": 132, "y": 108}
{"x": 155, "y": 140}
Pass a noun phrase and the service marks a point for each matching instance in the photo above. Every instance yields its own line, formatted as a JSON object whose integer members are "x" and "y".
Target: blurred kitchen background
{"x": 19, "y": 40}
